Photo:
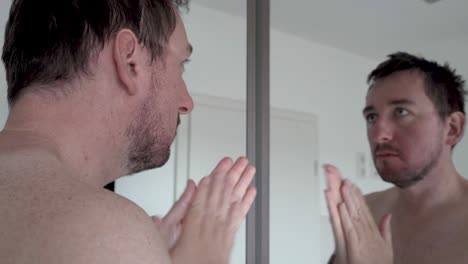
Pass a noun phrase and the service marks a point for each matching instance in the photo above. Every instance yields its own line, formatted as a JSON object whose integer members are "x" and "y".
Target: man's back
{"x": 435, "y": 236}
{"x": 46, "y": 216}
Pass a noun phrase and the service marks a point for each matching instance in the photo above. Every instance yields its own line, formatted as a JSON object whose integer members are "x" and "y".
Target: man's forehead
{"x": 404, "y": 80}
{"x": 384, "y": 96}
{"x": 179, "y": 38}
{"x": 400, "y": 84}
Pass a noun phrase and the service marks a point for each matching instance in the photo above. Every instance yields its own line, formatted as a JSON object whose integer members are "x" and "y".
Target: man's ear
{"x": 456, "y": 128}
{"x": 127, "y": 59}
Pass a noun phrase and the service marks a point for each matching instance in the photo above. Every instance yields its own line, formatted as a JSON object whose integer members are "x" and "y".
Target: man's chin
{"x": 150, "y": 162}
{"x": 399, "y": 179}
{"x": 163, "y": 159}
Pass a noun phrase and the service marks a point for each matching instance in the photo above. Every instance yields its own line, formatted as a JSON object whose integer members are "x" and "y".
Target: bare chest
{"x": 444, "y": 241}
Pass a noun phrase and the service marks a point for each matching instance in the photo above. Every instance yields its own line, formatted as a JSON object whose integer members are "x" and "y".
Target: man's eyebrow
{"x": 393, "y": 102}
{"x": 401, "y": 102}
{"x": 367, "y": 109}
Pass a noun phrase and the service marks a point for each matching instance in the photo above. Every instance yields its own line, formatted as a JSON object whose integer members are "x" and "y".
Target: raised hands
{"x": 220, "y": 205}
{"x": 358, "y": 240}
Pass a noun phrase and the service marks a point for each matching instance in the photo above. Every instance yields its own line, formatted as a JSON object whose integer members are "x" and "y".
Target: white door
{"x": 294, "y": 189}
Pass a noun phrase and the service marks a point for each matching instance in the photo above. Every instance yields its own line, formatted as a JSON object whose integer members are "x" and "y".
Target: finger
{"x": 334, "y": 181}
{"x": 233, "y": 176}
{"x": 385, "y": 228}
{"x": 333, "y": 176}
{"x": 336, "y": 224}
{"x": 350, "y": 200}
{"x": 248, "y": 200}
{"x": 240, "y": 209}
{"x": 162, "y": 229}
{"x": 334, "y": 198}
{"x": 363, "y": 221}
{"x": 363, "y": 210}
{"x": 243, "y": 183}
{"x": 175, "y": 235}
{"x": 202, "y": 193}
{"x": 350, "y": 234}
{"x": 180, "y": 208}
{"x": 217, "y": 178}
{"x": 223, "y": 165}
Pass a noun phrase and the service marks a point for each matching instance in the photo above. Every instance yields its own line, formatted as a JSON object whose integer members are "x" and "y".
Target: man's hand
{"x": 365, "y": 242}
{"x": 170, "y": 225}
{"x": 220, "y": 205}
{"x": 333, "y": 198}
{"x": 358, "y": 240}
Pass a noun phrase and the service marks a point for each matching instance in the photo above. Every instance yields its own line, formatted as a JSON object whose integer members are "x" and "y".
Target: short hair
{"x": 443, "y": 86}
{"x": 52, "y": 41}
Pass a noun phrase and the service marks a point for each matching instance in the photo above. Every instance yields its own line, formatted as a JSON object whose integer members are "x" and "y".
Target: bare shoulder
{"x": 76, "y": 224}
{"x": 107, "y": 228}
{"x": 380, "y": 203}
{"x": 376, "y": 198}
{"x": 125, "y": 231}
{"x": 46, "y": 216}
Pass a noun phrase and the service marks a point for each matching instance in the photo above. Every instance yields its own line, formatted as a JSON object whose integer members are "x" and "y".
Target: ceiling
{"x": 369, "y": 28}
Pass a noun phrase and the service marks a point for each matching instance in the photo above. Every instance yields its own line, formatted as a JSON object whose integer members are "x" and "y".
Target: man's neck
{"x": 440, "y": 187}
{"x": 84, "y": 146}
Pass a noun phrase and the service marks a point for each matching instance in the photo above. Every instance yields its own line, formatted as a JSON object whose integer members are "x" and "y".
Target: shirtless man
{"x": 95, "y": 91}
{"x": 415, "y": 116}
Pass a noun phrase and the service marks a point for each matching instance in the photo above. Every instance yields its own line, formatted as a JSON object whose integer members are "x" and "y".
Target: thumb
{"x": 385, "y": 228}
{"x": 180, "y": 208}
{"x": 176, "y": 234}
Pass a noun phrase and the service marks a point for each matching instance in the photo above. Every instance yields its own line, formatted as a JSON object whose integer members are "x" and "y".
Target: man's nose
{"x": 186, "y": 103}
{"x": 381, "y": 131}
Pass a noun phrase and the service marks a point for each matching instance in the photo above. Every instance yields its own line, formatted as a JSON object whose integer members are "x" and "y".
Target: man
{"x": 95, "y": 91}
{"x": 415, "y": 116}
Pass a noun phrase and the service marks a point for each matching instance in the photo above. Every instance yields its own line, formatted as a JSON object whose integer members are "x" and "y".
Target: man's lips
{"x": 386, "y": 154}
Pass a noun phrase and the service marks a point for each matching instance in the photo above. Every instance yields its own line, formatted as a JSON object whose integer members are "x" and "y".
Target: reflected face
{"x": 154, "y": 128}
{"x": 404, "y": 130}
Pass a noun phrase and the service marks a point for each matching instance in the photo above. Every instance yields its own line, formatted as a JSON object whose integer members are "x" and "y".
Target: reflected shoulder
{"x": 380, "y": 202}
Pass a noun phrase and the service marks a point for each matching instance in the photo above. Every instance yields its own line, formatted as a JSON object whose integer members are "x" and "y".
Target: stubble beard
{"x": 149, "y": 147}
{"x": 408, "y": 177}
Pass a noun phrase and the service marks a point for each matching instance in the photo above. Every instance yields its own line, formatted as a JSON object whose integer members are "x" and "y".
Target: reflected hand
{"x": 220, "y": 205}
{"x": 334, "y": 198}
{"x": 366, "y": 243}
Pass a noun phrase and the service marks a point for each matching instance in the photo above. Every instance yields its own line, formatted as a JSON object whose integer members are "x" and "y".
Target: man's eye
{"x": 370, "y": 118}
{"x": 401, "y": 112}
